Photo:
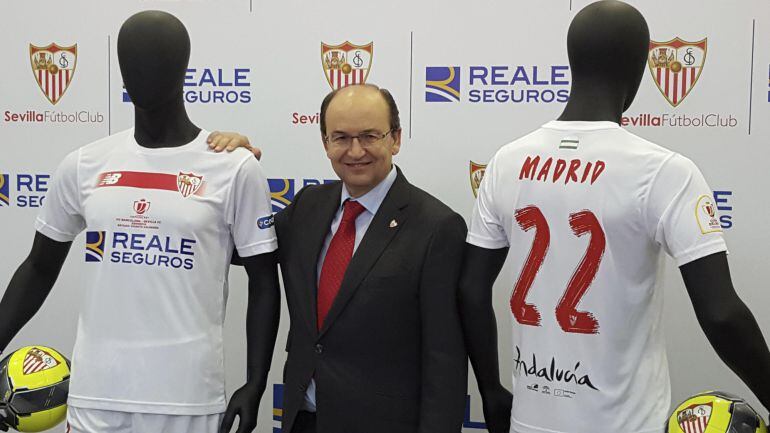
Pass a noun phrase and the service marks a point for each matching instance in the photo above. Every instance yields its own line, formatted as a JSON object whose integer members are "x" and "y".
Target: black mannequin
{"x": 603, "y": 88}
{"x": 153, "y": 51}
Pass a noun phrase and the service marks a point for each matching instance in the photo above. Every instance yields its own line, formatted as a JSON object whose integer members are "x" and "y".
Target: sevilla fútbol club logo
{"x": 346, "y": 64}
{"x": 53, "y": 67}
{"x": 676, "y": 66}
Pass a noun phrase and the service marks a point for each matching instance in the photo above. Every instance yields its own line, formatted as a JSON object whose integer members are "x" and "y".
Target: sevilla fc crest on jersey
{"x": 695, "y": 418}
{"x": 38, "y": 360}
{"x": 477, "y": 173}
{"x": 676, "y": 66}
{"x": 188, "y": 183}
{"x": 346, "y": 64}
{"x": 54, "y": 67}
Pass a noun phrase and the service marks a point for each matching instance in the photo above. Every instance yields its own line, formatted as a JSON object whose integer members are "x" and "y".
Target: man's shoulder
{"x": 306, "y": 200}
{"x": 314, "y": 193}
{"x": 429, "y": 208}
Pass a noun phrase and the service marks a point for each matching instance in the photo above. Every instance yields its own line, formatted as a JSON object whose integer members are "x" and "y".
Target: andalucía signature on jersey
{"x": 551, "y": 373}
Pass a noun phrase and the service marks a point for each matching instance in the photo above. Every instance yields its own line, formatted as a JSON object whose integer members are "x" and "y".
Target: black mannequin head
{"x": 607, "y": 44}
{"x": 153, "y": 52}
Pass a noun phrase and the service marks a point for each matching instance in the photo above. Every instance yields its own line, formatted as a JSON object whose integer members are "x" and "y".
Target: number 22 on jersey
{"x": 567, "y": 315}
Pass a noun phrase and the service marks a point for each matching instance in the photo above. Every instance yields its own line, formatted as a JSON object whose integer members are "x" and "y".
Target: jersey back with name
{"x": 587, "y": 209}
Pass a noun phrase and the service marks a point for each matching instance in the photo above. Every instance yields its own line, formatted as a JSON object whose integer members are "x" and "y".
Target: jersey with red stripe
{"x": 161, "y": 227}
{"x": 587, "y": 211}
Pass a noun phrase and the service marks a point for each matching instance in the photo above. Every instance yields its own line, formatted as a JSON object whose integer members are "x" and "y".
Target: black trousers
{"x": 304, "y": 423}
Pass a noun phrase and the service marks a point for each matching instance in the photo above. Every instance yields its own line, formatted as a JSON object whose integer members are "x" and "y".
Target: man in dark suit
{"x": 370, "y": 265}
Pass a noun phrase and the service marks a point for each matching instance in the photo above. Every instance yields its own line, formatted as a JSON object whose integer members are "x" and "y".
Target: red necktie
{"x": 337, "y": 259}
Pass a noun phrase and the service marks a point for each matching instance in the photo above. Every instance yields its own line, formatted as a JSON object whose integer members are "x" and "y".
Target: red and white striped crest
{"x": 37, "y": 360}
{"x": 346, "y": 64}
{"x": 695, "y": 418}
{"x": 53, "y": 67}
{"x": 188, "y": 183}
{"x": 676, "y": 66}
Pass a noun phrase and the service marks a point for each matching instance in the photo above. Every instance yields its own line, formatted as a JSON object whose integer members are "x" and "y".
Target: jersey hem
{"x": 519, "y": 427}
{"x": 716, "y": 246}
{"x": 146, "y": 407}
{"x": 52, "y": 232}
{"x": 485, "y": 242}
{"x": 258, "y": 248}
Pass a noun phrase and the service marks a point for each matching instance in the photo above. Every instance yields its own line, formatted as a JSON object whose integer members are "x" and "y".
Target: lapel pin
{"x": 393, "y": 223}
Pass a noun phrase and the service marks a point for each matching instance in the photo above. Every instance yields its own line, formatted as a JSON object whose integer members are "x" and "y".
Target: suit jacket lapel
{"x": 316, "y": 228}
{"x": 379, "y": 234}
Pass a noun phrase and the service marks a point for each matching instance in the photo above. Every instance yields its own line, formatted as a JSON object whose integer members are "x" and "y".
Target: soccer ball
{"x": 715, "y": 412}
{"x": 34, "y": 383}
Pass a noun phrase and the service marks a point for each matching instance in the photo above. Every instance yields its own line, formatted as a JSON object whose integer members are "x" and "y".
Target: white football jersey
{"x": 587, "y": 210}
{"x": 161, "y": 226}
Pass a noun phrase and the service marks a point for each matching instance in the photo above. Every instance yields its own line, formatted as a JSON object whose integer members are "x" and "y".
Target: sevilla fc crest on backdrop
{"x": 676, "y": 66}
{"x": 346, "y": 64}
{"x": 54, "y": 67}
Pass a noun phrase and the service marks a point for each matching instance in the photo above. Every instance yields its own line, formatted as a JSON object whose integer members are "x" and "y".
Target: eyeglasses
{"x": 365, "y": 139}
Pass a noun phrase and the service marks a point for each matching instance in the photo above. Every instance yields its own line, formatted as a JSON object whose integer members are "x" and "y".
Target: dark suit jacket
{"x": 390, "y": 357}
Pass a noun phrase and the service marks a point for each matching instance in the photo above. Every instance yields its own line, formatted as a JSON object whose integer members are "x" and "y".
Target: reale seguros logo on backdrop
{"x": 497, "y": 84}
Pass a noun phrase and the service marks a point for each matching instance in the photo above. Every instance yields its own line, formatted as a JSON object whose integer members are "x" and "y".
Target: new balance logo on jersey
{"x": 95, "y": 246}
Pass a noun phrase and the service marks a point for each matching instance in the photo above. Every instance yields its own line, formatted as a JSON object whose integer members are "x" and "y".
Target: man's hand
{"x": 245, "y": 404}
{"x": 219, "y": 141}
{"x": 497, "y": 410}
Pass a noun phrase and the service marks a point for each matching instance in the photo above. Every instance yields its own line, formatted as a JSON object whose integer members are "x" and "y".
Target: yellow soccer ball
{"x": 34, "y": 383}
{"x": 715, "y": 412}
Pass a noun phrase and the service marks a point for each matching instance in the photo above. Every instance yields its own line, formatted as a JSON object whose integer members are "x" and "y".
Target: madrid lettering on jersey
{"x": 555, "y": 169}
{"x": 551, "y": 373}
{"x": 152, "y": 250}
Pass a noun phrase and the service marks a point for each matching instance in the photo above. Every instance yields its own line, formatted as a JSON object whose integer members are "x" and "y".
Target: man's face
{"x": 354, "y": 111}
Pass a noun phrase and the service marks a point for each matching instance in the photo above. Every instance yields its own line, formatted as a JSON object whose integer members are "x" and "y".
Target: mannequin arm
{"x": 262, "y": 317}
{"x": 728, "y": 323}
{"x": 30, "y": 285}
{"x": 480, "y": 270}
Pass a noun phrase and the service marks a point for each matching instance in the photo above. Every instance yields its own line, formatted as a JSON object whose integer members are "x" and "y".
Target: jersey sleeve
{"x": 682, "y": 214}
{"x": 250, "y": 213}
{"x": 61, "y": 217}
{"x": 486, "y": 227}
